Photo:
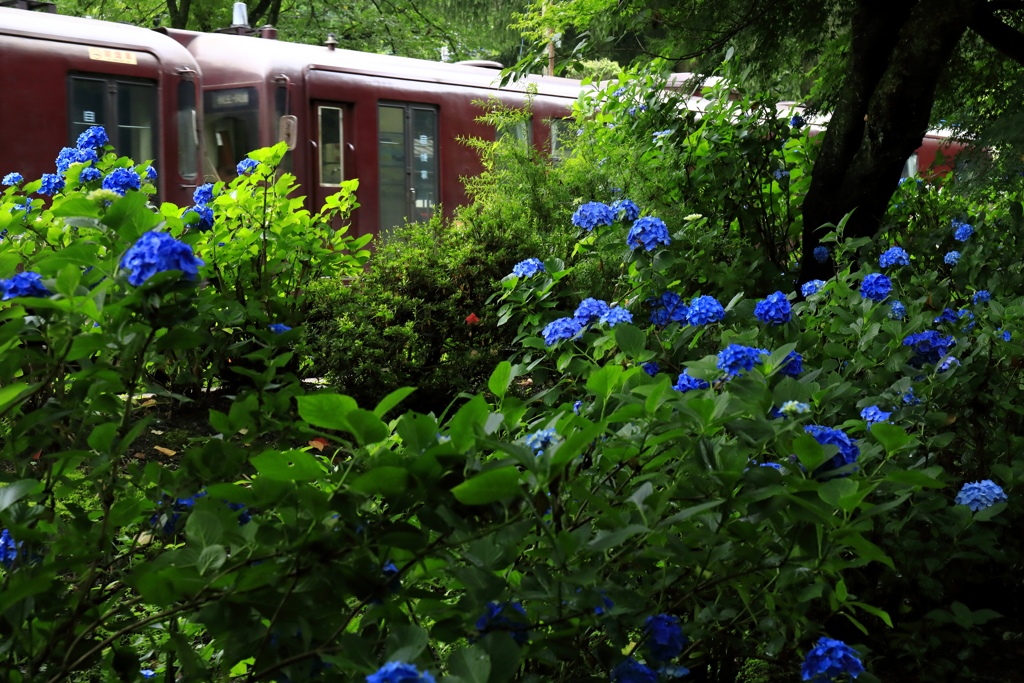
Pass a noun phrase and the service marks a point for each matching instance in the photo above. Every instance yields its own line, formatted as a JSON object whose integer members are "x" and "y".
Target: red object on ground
{"x": 471, "y": 319}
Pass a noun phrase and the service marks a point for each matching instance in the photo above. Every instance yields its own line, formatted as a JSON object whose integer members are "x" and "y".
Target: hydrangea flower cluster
{"x": 894, "y": 256}
{"x": 736, "y": 358}
{"x": 898, "y": 311}
{"x": 651, "y": 368}
{"x": 792, "y": 409}
{"x": 948, "y": 315}
{"x": 704, "y": 310}
{"x": 625, "y": 210}
{"x": 632, "y": 671}
{"x": 156, "y": 252}
{"x": 24, "y": 284}
{"x": 120, "y": 180}
{"x": 590, "y": 310}
{"x": 797, "y": 122}
{"x": 873, "y": 414}
{"x": 205, "y": 214}
{"x": 177, "y": 508}
{"x": 562, "y": 328}
{"x": 792, "y": 364}
{"x": 528, "y": 268}
{"x": 495, "y": 617}
{"x": 664, "y": 639}
{"x": 649, "y": 232}
{"x": 658, "y": 134}
{"x": 668, "y": 308}
{"x": 74, "y": 155}
{"x": 848, "y": 449}
{"x": 278, "y": 328}
{"x": 979, "y": 495}
{"x": 247, "y": 166}
{"x": 593, "y": 214}
{"x": 92, "y": 138}
{"x": 929, "y": 346}
{"x": 830, "y": 658}
{"x": 688, "y": 382}
{"x": 400, "y": 672}
{"x": 203, "y": 194}
{"x": 9, "y": 549}
{"x": 89, "y": 174}
{"x": 616, "y": 315}
{"x": 982, "y": 296}
{"x": 875, "y": 286}
{"x": 540, "y": 440}
{"x": 951, "y": 258}
{"x": 963, "y": 231}
{"x": 13, "y": 179}
{"x": 949, "y": 363}
{"x": 811, "y": 287}
{"x": 820, "y": 254}
{"x": 909, "y": 398}
{"x": 773, "y": 309}
{"x": 52, "y": 184}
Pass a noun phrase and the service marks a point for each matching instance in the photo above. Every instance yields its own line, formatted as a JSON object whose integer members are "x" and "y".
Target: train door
{"x": 407, "y": 163}
{"x": 332, "y": 151}
{"x": 127, "y": 108}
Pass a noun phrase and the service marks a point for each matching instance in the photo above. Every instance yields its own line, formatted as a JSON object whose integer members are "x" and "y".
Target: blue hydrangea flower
{"x": 541, "y": 439}
{"x": 982, "y": 296}
{"x": 873, "y": 414}
{"x": 773, "y": 465}
{"x": 875, "y": 287}
{"x": 590, "y": 310}
{"x": 203, "y": 194}
{"x": 1005, "y": 334}
{"x": 576, "y": 407}
{"x": 688, "y": 382}
{"x": 929, "y": 346}
{"x": 736, "y": 358}
{"x": 797, "y": 122}
{"x": 176, "y": 508}
{"x": 780, "y": 174}
{"x": 156, "y": 252}
{"x": 278, "y": 328}
{"x": 894, "y": 256}
{"x": 658, "y": 134}
{"x": 811, "y": 287}
{"x": 898, "y": 311}
{"x": 668, "y": 308}
{"x": 909, "y": 398}
{"x": 947, "y": 363}
{"x": 616, "y": 315}
{"x": 120, "y": 180}
{"x": 664, "y": 639}
{"x": 651, "y": 368}
{"x": 563, "y": 328}
{"x": 205, "y": 214}
{"x": 830, "y": 658}
{"x": 89, "y": 174}
{"x": 820, "y": 254}
{"x": 593, "y": 214}
{"x": 399, "y": 672}
{"x": 150, "y": 174}
{"x": 148, "y": 673}
{"x": 9, "y": 549}
{"x": 649, "y": 232}
{"x": 792, "y": 409}
{"x": 607, "y": 604}
{"x": 773, "y": 309}
{"x": 620, "y": 91}
{"x": 528, "y": 268}
{"x": 73, "y": 155}
{"x": 13, "y": 179}
{"x": 24, "y": 284}
{"x": 952, "y": 257}
{"x": 52, "y": 184}
{"x": 632, "y": 671}
{"x": 625, "y": 210}
{"x": 704, "y": 310}
{"x": 244, "y": 517}
{"x": 963, "y": 231}
{"x": 92, "y": 138}
{"x": 979, "y": 495}
{"x": 246, "y": 166}
{"x": 848, "y": 449}
{"x": 948, "y": 315}
{"x": 792, "y": 364}
{"x": 496, "y": 618}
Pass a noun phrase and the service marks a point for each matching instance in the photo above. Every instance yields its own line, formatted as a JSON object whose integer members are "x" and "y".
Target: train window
{"x": 125, "y": 108}
{"x": 559, "y": 128}
{"x": 408, "y": 163}
{"x": 521, "y": 131}
{"x": 910, "y": 167}
{"x": 281, "y": 111}
{"x": 188, "y": 133}
{"x": 330, "y": 146}
{"x": 231, "y": 120}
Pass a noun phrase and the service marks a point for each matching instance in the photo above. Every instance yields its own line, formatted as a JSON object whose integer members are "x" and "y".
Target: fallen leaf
{"x": 243, "y": 431}
{"x": 317, "y": 444}
{"x": 140, "y": 456}
{"x": 154, "y": 431}
{"x": 165, "y": 451}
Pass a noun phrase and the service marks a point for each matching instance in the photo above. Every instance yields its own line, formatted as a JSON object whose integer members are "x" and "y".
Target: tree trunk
{"x": 178, "y": 12}
{"x": 898, "y": 51}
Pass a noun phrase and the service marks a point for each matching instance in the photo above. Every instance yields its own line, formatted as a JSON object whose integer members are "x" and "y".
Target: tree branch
{"x": 999, "y": 35}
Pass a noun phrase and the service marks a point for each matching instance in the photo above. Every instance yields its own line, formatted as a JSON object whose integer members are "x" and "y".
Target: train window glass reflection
{"x": 521, "y": 131}
{"x": 910, "y": 167}
{"x": 408, "y": 163}
{"x": 330, "y": 146}
{"x": 136, "y": 120}
{"x": 391, "y": 151}
{"x": 231, "y": 122}
{"x": 88, "y": 105}
{"x": 188, "y": 135}
{"x": 424, "y": 160}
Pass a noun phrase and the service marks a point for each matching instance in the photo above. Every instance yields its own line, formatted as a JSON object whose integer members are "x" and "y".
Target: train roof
{"x": 233, "y": 59}
{"x": 93, "y": 32}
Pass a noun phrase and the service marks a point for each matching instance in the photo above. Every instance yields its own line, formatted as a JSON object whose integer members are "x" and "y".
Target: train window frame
{"x": 188, "y": 129}
{"x": 246, "y": 114}
{"x": 321, "y": 146}
{"x": 110, "y": 119}
{"x": 431, "y": 173}
{"x": 521, "y": 130}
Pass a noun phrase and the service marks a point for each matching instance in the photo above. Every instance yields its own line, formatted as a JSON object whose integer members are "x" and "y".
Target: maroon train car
{"x": 392, "y": 122}
{"x": 60, "y": 75}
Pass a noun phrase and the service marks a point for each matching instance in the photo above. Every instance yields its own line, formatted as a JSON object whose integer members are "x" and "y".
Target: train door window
{"x": 910, "y": 167}
{"x": 231, "y": 120}
{"x": 330, "y": 146}
{"x": 126, "y": 109}
{"x": 407, "y": 159}
{"x": 188, "y": 131}
{"x": 521, "y": 131}
{"x": 559, "y": 128}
